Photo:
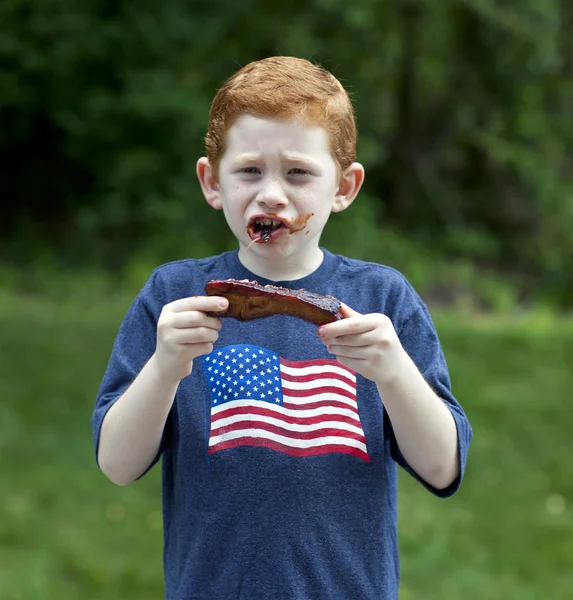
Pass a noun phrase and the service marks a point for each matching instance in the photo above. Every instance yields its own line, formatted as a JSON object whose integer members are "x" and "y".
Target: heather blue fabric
{"x": 253, "y": 523}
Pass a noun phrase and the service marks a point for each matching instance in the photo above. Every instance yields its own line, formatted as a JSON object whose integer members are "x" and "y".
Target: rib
{"x": 249, "y": 300}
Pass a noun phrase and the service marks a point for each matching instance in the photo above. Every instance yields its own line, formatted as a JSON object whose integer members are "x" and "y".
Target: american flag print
{"x": 301, "y": 408}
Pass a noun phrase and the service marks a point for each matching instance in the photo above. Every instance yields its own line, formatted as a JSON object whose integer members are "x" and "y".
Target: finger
{"x": 201, "y": 303}
{"x": 196, "y": 335}
{"x": 353, "y": 339}
{"x": 204, "y": 348}
{"x": 349, "y": 351}
{"x": 194, "y": 318}
{"x": 348, "y": 312}
{"x": 349, "y": 326}
{"x": 355, "y": 364}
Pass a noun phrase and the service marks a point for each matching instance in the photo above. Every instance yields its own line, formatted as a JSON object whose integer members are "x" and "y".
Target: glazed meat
{"x": 249, "y": 300}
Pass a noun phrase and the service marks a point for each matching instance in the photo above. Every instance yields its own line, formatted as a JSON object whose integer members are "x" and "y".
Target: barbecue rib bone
{"x": 249, "y": 300}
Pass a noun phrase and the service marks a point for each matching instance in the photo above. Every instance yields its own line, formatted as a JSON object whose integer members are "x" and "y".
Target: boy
{"x": 279, "y": 440}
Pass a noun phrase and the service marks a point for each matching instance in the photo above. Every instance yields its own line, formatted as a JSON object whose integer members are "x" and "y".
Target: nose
{"x": 272, "y": 194}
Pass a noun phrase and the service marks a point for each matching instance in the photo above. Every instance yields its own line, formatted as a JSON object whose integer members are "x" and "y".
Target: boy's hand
{"x": 367, "y": 344}
{"x": 184, "y": 332}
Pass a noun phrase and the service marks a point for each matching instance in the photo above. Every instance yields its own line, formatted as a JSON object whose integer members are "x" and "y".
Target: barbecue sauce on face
{"x": 293, "y": 226}
{"x": 297, "y": 224}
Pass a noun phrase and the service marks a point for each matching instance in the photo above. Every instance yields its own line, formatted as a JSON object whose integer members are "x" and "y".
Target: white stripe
{"x": 318, "y": 398}
{"x": 294, "y": 443}
{"x": 290, "y": 426}
{"x": 309, "y": 385}
{"x": 318, "y": 370}
{"x": 313, "y": 412}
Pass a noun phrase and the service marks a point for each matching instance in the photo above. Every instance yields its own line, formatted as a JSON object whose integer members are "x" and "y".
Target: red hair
{"x": 284, "y": 88}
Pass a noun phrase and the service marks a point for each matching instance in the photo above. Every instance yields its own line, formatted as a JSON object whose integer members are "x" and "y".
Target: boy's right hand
{"x": 184, "y": 332}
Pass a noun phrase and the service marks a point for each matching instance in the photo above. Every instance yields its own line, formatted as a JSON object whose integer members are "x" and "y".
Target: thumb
{"x": 347, "y": 312}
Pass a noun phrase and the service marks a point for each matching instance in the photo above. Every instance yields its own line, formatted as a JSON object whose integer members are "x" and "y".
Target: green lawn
{"x": 67, "y": 533}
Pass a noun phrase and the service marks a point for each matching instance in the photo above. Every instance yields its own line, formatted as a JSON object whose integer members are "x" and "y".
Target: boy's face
{"x": 277, "y": 185}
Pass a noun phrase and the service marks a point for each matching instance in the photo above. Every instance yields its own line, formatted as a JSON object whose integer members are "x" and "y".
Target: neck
{"x": 282, "y": 268}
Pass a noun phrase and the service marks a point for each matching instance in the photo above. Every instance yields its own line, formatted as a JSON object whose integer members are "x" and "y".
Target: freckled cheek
{"x": 309, "y": 198}
{"x": 236, "y": 195}
{"x": 236, "y": 192}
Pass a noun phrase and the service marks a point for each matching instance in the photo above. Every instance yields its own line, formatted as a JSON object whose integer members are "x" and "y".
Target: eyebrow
{"x": 303, "y": 158}
{"x": 289, "y": 156}
{"x": 246, "y": 157}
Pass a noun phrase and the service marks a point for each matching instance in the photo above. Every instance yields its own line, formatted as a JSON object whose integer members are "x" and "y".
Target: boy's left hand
{"x": 367, "y": 344}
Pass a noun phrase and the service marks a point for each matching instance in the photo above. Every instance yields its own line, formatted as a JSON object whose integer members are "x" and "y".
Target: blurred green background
{"x": 465, "y": 131}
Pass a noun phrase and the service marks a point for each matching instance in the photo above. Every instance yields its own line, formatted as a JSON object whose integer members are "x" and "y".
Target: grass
{"x": 67, "y": 533}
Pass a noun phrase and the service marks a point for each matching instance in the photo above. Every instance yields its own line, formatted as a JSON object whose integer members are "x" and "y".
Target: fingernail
{"x": 222, "y": 304}
{"x": 321, "y": 332}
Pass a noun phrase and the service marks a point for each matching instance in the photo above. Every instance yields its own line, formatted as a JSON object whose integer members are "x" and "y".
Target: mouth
{"x": 263, "y": 229}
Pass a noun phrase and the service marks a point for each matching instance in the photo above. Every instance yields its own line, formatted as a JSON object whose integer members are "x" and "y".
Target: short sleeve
{"x": 133, "y": 347}
{"x": 420, "y": 340}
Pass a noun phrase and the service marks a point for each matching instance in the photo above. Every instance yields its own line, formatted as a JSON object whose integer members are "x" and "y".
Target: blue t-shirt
{"x": 279, "y": 464}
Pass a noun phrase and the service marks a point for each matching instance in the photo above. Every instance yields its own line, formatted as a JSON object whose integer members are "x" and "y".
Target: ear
{"x": 209, "y": 184}
{"x": 348, "y": 187}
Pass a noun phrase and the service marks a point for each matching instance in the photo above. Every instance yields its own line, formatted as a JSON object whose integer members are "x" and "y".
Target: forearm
{"x": 132, "y": 428}
{"x": 423, "y": 425}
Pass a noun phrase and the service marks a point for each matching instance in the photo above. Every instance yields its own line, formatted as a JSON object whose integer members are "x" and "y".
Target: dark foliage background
{"x": 463, "y": 110}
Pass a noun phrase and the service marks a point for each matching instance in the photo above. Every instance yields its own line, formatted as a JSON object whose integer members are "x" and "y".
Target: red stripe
{"x": 299, "y": 364}
{"x": 255, "y": 410}
{"x": 319, "y": 404}
{"x": 316, "y": 376}
{"x": 316, "y": 451}
{"x": 327, "y": 389}
{"x": 296, "y": 435}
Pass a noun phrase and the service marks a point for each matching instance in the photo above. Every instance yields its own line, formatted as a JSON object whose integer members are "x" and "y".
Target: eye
{"x": 251, "y": 170}
{"x": 298, "y": 171}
